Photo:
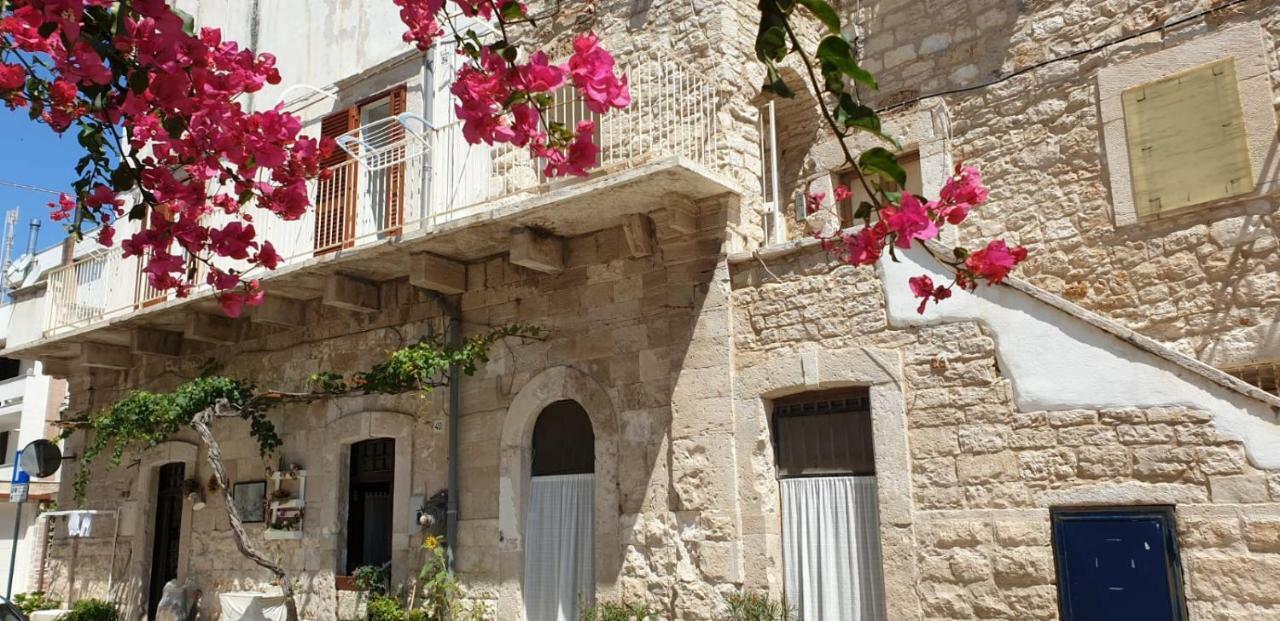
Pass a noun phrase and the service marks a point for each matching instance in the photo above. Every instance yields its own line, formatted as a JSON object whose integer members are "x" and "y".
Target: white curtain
{"x": 831, "y": 548}
{"x": 559, "y": 550}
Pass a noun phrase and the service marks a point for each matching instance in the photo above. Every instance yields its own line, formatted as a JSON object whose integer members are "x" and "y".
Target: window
{"x": 1265, "y": 375}
{"x": 826, "y": 433}
{"x": 1186, "y": 139}
{"x": 5, "y": 454}
{"x": 356, "y": 201}
{"x": 849, "y": 178}
{"x": 369, "y": 506}
{"x": 9, "y": 368}
{"x": 1117, "y": 564}
{"x": 825, "y": 460}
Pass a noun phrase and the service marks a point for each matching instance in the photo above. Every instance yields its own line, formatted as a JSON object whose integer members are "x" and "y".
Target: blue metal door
{"x": 1118, "y": 565}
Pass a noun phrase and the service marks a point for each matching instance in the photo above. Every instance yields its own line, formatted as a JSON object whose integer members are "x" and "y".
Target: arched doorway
{"x": 559, "y": 554}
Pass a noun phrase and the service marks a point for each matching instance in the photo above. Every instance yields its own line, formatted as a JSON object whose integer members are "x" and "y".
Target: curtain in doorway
{"x": 831, "y": 548}
{"x": 559, "y": 550}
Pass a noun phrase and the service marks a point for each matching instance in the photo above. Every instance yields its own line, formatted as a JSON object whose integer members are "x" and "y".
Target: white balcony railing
{"x": 422, "y": 180}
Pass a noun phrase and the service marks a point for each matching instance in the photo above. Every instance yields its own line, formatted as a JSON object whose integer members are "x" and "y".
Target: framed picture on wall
{"x": 251, "y": 501}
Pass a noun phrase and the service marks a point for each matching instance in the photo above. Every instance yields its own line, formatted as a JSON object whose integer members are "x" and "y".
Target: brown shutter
{"x": 336, "y": 196}
{"x": 399, "y": 98}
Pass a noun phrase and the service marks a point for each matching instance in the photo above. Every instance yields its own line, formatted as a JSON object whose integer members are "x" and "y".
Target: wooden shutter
{"x": 336, "y": 196}
{"x": 398, "y": 103}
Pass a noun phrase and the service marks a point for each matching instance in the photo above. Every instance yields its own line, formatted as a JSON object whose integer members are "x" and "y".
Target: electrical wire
{"x": 33, "y": 188}
{"x": 1082, "y": 52}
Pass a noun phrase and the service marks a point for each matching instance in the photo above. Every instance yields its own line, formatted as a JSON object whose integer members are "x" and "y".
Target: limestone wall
{"x": 1202, "y": 281}
{"x": 974, "y": 541}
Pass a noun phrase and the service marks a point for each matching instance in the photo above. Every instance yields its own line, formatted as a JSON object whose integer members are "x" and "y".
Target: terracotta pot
{"x": 345, "y": 583}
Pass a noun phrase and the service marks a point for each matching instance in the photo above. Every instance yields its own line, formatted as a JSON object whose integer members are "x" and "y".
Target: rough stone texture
{"x": 984, "y": 474}
{"x": 1203, "y": 281}
{"x": 666, "y": 335}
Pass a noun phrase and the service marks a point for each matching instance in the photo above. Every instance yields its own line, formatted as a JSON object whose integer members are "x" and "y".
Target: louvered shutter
{"x": 398, "y": 102}
{"x": 336, "y": 196}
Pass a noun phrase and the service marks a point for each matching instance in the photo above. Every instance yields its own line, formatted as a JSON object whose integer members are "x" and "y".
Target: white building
{"x": 29, "y": 402}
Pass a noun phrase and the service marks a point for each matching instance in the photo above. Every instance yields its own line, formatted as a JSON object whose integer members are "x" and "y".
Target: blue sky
{"x": 31, "y": 154}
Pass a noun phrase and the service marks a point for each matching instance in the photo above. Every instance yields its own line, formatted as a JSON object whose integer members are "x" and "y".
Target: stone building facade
{"x": 678, "y": 331}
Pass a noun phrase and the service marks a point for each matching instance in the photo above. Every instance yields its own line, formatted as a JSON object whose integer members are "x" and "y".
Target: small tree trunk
{"x": 201, "y": 424}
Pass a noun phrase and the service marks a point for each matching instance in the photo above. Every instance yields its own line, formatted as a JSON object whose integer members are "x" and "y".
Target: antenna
{"x": 6, "y": 252}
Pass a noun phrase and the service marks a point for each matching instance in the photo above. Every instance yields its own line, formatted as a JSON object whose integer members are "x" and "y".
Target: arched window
{"x": 825, "y": 461}
{"x": 559, "y": 548}
{"x": 563, "y": 442}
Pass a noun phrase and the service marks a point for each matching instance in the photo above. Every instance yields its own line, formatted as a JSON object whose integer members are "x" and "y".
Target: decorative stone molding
{"x": 350, "y": 429}
{"x": 817, "y": 368}
{"x": 137, "y": 519}
{"x": 555, "y": 384}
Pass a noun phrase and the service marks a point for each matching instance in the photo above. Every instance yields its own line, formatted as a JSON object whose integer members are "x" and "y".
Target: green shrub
{"x": 617, "y": 611}
{"x": 371, "y": 579}
{"x": 754, "y": 607}
{"x": 383, "y": 608}
{"x": 33, "y": 601}
{"x": 92, "y": 610}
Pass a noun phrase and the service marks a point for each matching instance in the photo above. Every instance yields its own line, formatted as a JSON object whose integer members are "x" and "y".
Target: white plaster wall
{"x": 8, "y": 512}
{"x": 316, "y": 42}
{"x": 1058, "y": 362}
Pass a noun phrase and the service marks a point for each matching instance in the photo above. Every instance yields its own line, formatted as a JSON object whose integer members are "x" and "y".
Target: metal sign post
{"x": 19, "y": 486}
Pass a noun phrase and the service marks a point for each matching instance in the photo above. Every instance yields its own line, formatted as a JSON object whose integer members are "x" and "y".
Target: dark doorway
{"x": 1118, "y": 565}
{"x": 168, "y": 533}
{"x": 373, "y": 469}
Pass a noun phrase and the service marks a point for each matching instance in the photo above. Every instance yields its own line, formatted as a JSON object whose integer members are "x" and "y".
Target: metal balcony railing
{"x": 407, "y": 176}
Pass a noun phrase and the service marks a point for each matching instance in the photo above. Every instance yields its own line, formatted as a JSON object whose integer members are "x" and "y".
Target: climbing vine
{"x": 143, "y": 418}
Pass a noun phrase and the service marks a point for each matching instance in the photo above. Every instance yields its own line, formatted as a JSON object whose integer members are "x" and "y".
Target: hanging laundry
{"x": 80, "y": 524}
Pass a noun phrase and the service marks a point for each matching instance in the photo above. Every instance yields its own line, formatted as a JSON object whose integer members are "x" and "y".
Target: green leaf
{"x": 771, "y": 43}
{"x": 864, "y": 211}
{"x": 883, "y": 162}
{"x": 776, "y": 84}
{"x": 188, "y": 21}
{"x": 139, "y": 81}
{"x": 174, "y": 125}
{"x": 856, "y": 116}
{"x": 512, "y": 11}
{"x": 122, "y": 178}
{"x": 824, "y": 13}
{"x": 836, "y": 51}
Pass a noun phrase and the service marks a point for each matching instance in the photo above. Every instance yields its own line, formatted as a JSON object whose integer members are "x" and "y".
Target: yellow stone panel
{"x": 1186, "y": 138}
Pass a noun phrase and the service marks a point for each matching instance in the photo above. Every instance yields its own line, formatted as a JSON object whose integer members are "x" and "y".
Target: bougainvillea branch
{"x": 157, "y": 107}
{"x": 891, "y": 217}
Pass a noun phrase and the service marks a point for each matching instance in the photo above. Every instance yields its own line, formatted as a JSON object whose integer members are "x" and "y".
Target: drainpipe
{"x": 33, "y": 236}
{"x": 454, "y": 314}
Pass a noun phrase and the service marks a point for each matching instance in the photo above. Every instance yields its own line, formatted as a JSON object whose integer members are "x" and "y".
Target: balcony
{"x": 407, "y": 186}
{"x": 12, "y": 392}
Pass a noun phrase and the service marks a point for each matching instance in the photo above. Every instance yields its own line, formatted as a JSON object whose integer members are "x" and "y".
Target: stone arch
{"x": 349, "y": 429}
{"x": 140, "y": 510}
{"x": 555, "y": 384}
{"x": 811, "y": 369}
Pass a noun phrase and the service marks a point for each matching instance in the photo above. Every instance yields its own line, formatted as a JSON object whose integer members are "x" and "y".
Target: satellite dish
{"x": 40, "y": 459}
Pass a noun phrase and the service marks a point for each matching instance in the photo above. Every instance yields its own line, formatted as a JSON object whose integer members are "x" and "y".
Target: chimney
{"x": 32, "y": 237}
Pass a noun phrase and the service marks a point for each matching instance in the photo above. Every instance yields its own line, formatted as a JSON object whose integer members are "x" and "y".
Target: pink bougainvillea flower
{"x": 267, "y": 256}
{"x": 540, "y": 76}
{"x": 995, "y": 261}
{"x": 842, "y": 193}
{"x": 910, "y": 221}
{"x": 813, "y": 202}
{"x": 12, "y": 77}
{"x": 921, "y": 286}
{"x": 592, "y": 70}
